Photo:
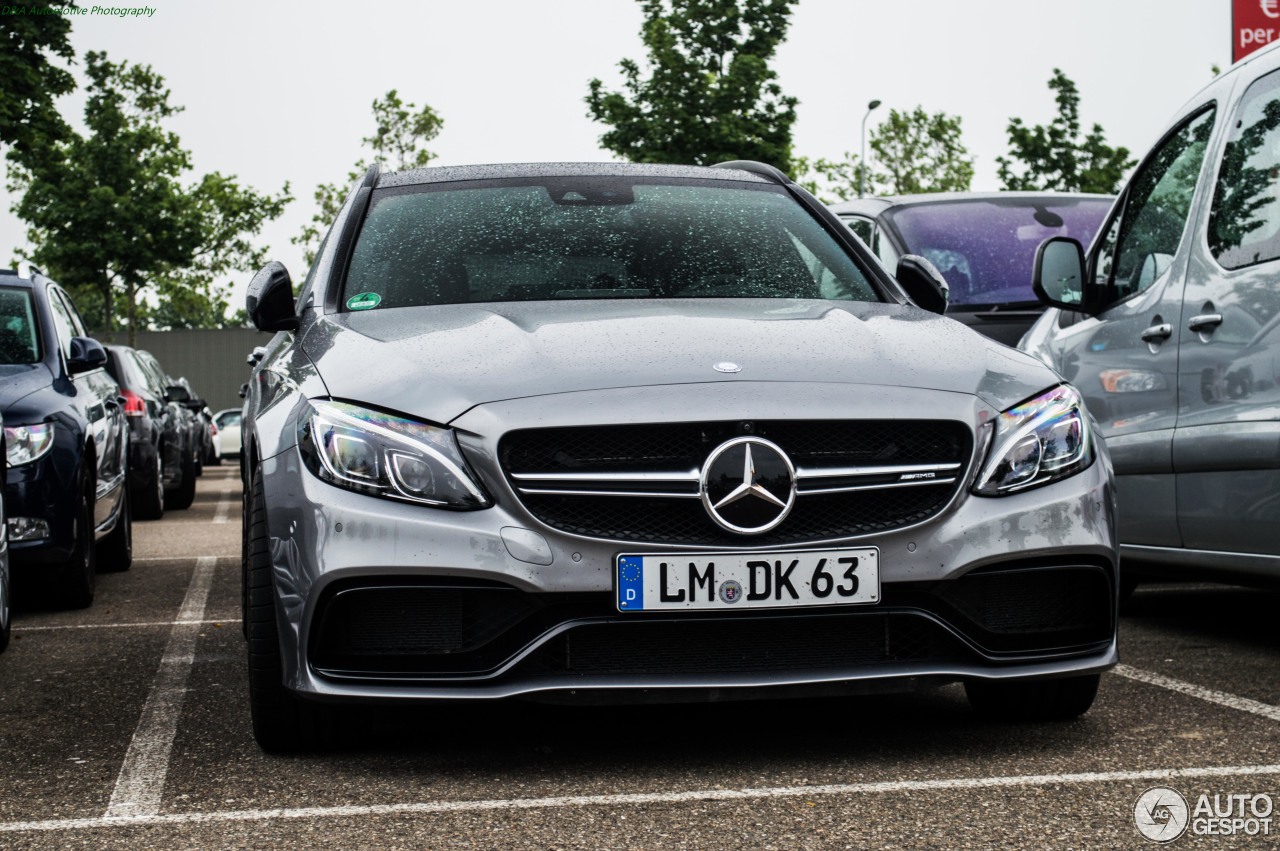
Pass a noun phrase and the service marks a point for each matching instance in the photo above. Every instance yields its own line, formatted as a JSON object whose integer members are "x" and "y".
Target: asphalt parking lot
{"x": 127, "y": 725}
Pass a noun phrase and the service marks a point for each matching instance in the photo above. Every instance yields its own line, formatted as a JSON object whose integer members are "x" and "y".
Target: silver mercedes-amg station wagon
{"x": 616, "y": 432}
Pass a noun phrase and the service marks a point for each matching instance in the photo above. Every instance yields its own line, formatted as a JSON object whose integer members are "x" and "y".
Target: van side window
{"x": 1142, "y": 242}
{"x": 1244, "y": 223}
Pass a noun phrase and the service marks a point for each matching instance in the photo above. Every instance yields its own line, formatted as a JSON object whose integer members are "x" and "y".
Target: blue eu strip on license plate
{"x": 631, "y": 583}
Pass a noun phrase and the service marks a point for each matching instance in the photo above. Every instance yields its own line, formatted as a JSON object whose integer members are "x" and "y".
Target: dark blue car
{"x": 66, "y": 445}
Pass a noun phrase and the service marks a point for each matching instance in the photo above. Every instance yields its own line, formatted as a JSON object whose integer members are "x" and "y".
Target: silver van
{"x": 1170, "y": 327}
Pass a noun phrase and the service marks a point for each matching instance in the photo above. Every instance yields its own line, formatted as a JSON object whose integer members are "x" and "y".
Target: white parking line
{"x": 224, "y": 504}
{"x": 567, "y": 801}
{"x": 1221, "y": 698}
{"x": 124, "y": 625}
{"x": 146, "y": 763}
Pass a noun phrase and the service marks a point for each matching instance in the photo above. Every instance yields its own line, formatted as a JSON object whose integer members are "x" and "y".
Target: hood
{"x": 437, "y": 362}
{"x": 17, "y": 381}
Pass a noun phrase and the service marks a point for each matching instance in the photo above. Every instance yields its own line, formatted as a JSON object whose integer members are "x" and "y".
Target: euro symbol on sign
{"x": 1270, "y": 8}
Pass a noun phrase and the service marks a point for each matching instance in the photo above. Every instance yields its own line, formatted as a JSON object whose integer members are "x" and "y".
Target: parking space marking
{"x": 224, "y": 504}
{"x": 566, "y": 801}
{"x": 146, "y": 763}
{"x": 1221, "y": 698}
{"x": 123, "y": 625}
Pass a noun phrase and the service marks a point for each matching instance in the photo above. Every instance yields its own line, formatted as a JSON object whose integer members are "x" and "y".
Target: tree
{"x": 108, "y": 214}
{"x": 917, "y": 152}
{"x": 401, "y": 133}
{"x": 709, "y": 94}
{"x": 31, "y": 81}
{"x": 1056, "y": 157}
{"x": 913, "y": 151}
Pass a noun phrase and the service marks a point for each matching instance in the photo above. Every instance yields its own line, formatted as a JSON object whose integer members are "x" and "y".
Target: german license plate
{"x": 747, "y": 580}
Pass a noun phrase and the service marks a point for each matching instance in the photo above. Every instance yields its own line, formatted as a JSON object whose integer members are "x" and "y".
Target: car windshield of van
{"x": 19, "y": 339}
{"x": 593, "y": 238}
{"x": 986, "y": 248}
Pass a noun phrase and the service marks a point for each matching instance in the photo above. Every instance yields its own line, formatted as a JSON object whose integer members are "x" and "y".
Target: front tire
{"x": 1033, "y": 700}
{"x": 75, "y": 587}
{"x": 6, "y": 606}
{"x": 149, "y": 498}
{"x": 185, "y": 493}
{"x": 282, "y": 722}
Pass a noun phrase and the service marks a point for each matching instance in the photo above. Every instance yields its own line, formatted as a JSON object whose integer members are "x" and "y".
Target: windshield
{"x": 986, "y": 249}
{"x": 593, "y": 237}
{"x": 19, "y": 340}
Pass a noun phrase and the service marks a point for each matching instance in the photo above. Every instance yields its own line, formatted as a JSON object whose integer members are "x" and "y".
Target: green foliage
{"x": 31, "y": 82}
{"x": 913, "y": 152}
{"x": 110, "y": 218}
{"x": 401, "y": 133}
{"x": 709, "y": 94}
{"x": 1056, "y": 157}
{"x": 832, "y": 180}
{"x": 916, "y": 152}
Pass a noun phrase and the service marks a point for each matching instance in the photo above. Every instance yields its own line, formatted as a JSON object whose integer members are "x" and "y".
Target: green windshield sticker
{"x": 364, "y": 301}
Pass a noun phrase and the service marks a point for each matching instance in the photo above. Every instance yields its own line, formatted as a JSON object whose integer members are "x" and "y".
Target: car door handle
{"x": 1157, "y": 333}
{"x": 1205, "y": 322}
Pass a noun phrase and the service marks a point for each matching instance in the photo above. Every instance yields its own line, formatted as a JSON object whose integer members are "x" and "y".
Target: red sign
{"x": 1254, "y": 24}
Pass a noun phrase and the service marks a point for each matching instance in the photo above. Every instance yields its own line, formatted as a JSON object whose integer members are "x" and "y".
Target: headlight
{"x": 384, "y": 455}
{"x": 1041, "y": 440}
{"x": 24, "y": 444}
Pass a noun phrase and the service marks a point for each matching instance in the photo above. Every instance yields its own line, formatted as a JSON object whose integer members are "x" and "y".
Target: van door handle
{"x": 1157, "y": 333}
{"x": 1205, "y": 322}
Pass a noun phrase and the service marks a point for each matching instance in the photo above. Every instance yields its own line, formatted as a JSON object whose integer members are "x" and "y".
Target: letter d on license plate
{"x": 738, "y": 580}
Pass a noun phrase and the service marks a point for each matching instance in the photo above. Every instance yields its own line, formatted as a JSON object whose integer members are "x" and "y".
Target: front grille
{"x": 761, "y": 646}
{"x": 605, "y": 456}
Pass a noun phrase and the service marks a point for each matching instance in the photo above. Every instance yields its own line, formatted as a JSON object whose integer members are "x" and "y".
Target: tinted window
{"x": 593, "y": 237}
{"x": 19, "y": 336}
{"x": 228, "y": 418}
{"x": 986, "y": 248}
{"x": 862, "y": 227}
{"x": 1142, "y": 242}
{"x": 1244, "y": 226}
{"x": 61, "y": 321}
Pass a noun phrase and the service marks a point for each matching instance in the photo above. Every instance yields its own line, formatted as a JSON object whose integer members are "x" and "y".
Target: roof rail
{"x": 762, "y": 169}
{"x": 371, "y": 176}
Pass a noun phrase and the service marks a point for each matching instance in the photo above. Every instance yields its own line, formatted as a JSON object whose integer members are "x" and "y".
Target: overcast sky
{"x": 280, "y": 90}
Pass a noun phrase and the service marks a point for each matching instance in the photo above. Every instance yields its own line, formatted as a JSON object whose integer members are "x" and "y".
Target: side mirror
{"x": 269, "y": 302}
{"x": 923, "y": 283}
{"x": 176, "y": 393}
{"x": 255, "y": 356}
{"x": 1058, "y": 276}
{"x": 244, "y": 390}
{"x": 86, "y": 354}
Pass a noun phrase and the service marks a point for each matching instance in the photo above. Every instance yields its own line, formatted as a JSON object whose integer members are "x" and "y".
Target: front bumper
{"x": 375, "y": 597}
{"x": 38, "y": 490}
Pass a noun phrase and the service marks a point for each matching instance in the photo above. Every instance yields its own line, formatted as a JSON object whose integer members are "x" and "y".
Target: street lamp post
{"x": 862, "y": 158}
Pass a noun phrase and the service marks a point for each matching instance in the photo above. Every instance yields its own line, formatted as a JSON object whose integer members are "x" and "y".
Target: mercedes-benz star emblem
{"x": 748, "y": 485}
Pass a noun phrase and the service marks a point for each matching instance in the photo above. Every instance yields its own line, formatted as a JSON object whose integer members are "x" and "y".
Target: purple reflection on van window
{"x": 986, "y": 248}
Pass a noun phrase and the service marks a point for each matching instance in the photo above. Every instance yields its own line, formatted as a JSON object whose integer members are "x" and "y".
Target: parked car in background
{"x": 198, "y": 432}
{"x": 665, "y": 433}
{"x": 66, "y": 444}
{"x": 6, "y": 586}
{"x": 228, "y": 423}
{"x": 984, "y": 243}
{"x": 1170, "y": 327}
{"x": 157, "y": 433}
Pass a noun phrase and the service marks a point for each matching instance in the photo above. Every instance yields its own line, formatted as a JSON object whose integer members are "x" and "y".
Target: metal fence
{"x": 213, "y": 360}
